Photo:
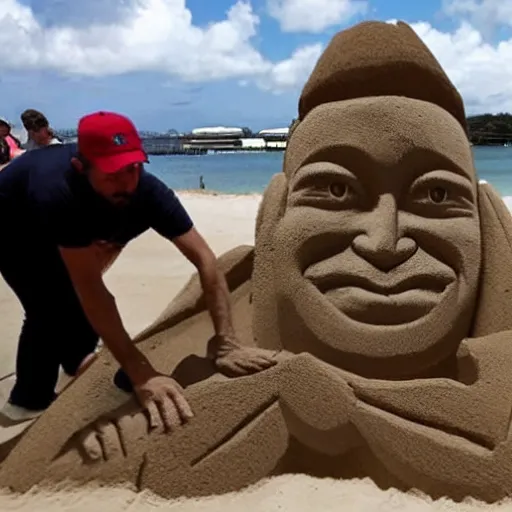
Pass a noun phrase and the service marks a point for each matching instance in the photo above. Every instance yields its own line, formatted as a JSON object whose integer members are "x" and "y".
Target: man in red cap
{"x": 62, "y": 202}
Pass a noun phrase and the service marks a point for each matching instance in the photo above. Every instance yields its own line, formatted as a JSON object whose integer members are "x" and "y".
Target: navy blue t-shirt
{"x": 43, "y": 198}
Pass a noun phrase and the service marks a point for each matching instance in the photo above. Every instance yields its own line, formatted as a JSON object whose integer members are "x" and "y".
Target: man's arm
{"x": 229, "y": 354}
{"x": 107, "y": 253}
{"x": 196, "y": 250}
{"x": 100, "y": 307}
{"x": 169, "y": 218}
{"x": 160, "y": 395}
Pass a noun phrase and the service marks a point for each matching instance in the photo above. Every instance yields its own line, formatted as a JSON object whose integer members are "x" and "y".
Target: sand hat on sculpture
{"x": 379, "y": 59}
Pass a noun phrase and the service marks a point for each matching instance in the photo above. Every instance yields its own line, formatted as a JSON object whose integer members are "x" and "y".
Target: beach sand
{"x": 144, "y": 279}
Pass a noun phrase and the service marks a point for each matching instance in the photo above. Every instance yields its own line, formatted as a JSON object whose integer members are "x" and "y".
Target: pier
{"x": 166, "y": 145}
{"x": 202, "y": 141}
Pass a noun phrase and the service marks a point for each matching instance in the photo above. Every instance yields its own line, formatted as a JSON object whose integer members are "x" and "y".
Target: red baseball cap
{"x": 109, "y": 141}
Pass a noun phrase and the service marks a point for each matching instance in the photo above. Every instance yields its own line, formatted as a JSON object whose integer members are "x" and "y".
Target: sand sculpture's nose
{"x": 382, "y": 243}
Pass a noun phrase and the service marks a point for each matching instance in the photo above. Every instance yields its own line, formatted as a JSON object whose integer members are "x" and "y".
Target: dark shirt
{"x": 44, "y": 199}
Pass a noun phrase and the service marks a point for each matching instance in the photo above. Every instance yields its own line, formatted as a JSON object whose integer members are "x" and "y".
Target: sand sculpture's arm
{"x": 439, "y": 435}
{"x": 442, "y": 435}
{"x": 241, "y": 429}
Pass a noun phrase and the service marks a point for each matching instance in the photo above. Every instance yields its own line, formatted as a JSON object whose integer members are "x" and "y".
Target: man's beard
{"x": 121, "y": 199}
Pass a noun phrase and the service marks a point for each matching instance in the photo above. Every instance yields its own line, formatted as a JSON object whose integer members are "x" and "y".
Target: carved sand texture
{"x": 98, "y": 396}
{"x": 381, "y": 272}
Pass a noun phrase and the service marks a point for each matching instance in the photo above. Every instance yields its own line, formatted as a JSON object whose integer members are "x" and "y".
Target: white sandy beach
{"x": 144, "y": 279}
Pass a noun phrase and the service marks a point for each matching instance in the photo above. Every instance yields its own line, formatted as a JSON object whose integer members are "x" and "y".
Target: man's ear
{"x": 77, "y": 164}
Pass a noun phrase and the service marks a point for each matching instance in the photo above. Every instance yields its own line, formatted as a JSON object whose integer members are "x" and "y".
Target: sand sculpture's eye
{"x": 437, "y": 194}
{"x": 338, "y": 190}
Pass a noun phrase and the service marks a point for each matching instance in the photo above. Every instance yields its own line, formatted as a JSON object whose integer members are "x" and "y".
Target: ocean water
{"x": 245, "y": 173}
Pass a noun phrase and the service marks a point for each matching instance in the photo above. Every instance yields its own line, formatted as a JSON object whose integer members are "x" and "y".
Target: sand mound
{"x": 279, "y": 494}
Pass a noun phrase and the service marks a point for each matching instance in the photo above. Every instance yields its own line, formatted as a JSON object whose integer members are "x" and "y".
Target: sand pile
{"x": 280, "y": 494}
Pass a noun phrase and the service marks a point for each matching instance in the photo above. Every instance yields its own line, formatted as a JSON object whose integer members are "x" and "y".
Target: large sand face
{"x": 376, "y": 193}
{"x": 376, "y": 256}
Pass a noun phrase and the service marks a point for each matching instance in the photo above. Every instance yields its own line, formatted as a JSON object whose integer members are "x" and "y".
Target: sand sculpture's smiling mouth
{"x": 382, "y": 301}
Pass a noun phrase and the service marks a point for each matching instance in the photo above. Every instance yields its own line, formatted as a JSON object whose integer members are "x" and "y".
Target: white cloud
{"x": 291, "y": 72}
{"x": 313, "y": 15}
{"x": 159, "y": 35}
{"x": 482, "y": 72}
{"x": 484, "y": 14}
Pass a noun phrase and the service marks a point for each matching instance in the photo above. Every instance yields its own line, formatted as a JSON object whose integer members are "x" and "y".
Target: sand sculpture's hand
{"x": 164, "y": 401}
{"x": 233, "y": 359}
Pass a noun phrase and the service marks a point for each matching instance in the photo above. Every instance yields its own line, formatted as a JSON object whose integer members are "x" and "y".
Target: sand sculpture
{"x": 381, "y": 272}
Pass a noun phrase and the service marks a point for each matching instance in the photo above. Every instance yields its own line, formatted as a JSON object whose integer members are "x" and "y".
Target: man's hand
{"x": 233, "y": 359}
{"x": 163, "y": 398}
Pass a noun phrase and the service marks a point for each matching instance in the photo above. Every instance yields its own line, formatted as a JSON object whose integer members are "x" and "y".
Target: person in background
{"x": 12, "y": 142}
{"x": 5, "y": 153}
{"x": 38, "y": 130}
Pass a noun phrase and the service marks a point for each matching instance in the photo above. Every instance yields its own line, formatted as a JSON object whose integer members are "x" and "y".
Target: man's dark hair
{"x": 34, "y": 120}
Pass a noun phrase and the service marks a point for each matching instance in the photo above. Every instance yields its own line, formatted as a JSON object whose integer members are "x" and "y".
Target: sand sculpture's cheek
{"x": 450, "y": 233}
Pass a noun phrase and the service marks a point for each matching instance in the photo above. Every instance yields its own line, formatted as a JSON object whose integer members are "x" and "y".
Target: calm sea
{"x": 243, "y": 173}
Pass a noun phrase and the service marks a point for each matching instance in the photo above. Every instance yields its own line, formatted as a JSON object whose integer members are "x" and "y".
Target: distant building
{"x": 219, "y": 132}
{"x": 274, "y": 134}
{"x": 225, "y": 138}
{"x": 254, "y": 143}
{"x": 217, "y": 138}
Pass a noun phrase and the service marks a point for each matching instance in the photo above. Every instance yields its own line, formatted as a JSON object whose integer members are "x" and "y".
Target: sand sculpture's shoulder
{"x": 492, "y": 314}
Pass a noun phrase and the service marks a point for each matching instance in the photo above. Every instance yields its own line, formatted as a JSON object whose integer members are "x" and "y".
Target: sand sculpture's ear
{"x": 272, "y": 208}
{"x": 494, "y": 303}
{"x": 236, "y": 265}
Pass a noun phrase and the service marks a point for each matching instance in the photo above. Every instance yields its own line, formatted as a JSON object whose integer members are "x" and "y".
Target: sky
{"x": 176, "y": 64}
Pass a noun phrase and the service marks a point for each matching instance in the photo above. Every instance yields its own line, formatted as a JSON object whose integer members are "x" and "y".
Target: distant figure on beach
{"x": 76, "y": 207}
{"x": 38, "y": 130}
{"x": 12, "y": 142}
{"x": 201, "y": 183}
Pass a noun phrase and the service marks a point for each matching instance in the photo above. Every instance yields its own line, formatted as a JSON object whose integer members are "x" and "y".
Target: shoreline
{"x": 197, "y": 192}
